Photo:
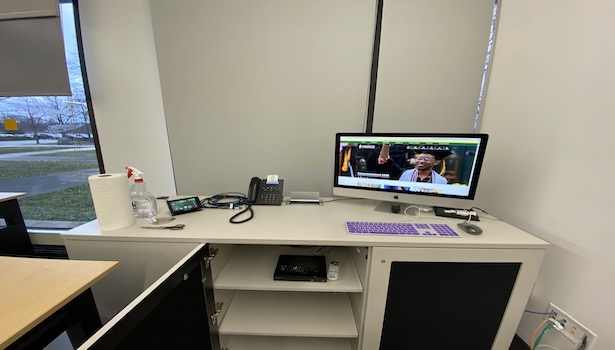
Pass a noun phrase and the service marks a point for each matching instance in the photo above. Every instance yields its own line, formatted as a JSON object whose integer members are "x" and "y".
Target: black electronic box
{"x": 310, "y": 268}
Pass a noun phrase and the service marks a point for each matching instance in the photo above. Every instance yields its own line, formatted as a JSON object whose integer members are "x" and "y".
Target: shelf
{"x": 284, "y": 343}
{"x": 252, "y": 267}
{"x": 293, "y": 314}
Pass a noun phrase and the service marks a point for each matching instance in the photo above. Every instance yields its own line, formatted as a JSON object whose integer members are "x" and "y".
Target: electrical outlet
{"x": 572, "y": 332}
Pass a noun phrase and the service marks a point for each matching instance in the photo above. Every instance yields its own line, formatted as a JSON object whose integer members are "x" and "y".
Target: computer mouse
{"x": 470, "y": 228}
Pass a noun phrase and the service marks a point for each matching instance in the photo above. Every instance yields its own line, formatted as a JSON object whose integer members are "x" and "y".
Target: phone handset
{"x": 253, "y": 189}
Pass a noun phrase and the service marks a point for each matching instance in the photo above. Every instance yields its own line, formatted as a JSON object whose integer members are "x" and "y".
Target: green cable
{"x": 544, "y": 330}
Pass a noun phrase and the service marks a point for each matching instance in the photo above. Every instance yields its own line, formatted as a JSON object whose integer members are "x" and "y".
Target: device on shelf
{"x": 265, "y": 192}
{"x": 400, "y": 228}
{"x": 334, "y": 270}
{"x": 301, "y": 268}
{"x": 430, "y": 169}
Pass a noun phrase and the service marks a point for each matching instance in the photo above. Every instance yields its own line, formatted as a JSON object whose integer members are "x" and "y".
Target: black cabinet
{"x": 176, "y": 312}
{"x": 14, "y": 239}
{"x": 444, "y": 305}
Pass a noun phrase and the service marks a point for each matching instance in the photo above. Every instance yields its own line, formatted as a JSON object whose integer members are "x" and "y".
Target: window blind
{"x": 32, "y": 59}
{"x": 432, "y": 59}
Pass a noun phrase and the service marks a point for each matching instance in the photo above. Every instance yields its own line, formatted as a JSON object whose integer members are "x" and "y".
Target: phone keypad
{"x": 270, "y": 195}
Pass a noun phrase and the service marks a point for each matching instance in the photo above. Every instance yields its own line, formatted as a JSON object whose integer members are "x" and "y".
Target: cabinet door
{"x": 447, "y": 298}
{"x": 175, "y": 312}
{"x": 141, "y": 264}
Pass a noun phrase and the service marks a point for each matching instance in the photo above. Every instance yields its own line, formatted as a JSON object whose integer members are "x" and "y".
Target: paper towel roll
{"x": 112, "y": 203}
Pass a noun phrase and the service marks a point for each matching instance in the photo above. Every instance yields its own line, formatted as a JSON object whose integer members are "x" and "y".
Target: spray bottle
{"x": 143, "y": 202}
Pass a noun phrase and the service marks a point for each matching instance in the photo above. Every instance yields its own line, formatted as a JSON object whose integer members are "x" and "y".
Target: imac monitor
{"x": 427, "y": 169}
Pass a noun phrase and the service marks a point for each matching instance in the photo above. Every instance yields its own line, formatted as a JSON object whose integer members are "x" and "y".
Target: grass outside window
{"x": 73, "y": 204}
{"x": 20, "y": 169}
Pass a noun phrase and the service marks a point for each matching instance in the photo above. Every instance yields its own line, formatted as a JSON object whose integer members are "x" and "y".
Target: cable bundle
{"x": 230, "y": 200}
{"x": 227, "y": 200}
{"x": 547, "y": 324}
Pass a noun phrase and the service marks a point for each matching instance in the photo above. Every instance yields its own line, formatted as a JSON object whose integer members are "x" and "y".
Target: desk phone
{"x": 262, "y": 193}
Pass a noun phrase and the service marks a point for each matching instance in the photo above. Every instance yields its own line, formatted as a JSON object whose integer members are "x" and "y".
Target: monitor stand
{"x": 399, "y": 208}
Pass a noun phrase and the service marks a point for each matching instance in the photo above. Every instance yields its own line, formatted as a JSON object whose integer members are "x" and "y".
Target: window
{"x": 48, "y": 147}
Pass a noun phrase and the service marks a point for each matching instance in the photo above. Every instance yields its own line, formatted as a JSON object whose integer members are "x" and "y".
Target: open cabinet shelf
{"x": 287, "y": 343}
{"x": 252, "y": 267}
{"x": 292, "y": 314}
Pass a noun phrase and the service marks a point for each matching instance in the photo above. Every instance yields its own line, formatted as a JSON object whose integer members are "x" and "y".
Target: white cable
{"x": 469, "y": 218}
{"x": 553, "y": 347}
{"x": 418, "y": 212}
{"x": 546, "y": 346}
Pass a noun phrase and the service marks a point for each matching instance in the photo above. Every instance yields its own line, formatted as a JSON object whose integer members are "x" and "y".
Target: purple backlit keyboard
{"x": 400, "y": 228}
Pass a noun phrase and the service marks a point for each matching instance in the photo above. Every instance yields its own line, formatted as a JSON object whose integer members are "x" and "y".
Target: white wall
{"x": 123, "y": 76}
{"x": 549, "y": 111}
{"x": 253, "y": 88}
{"x": 256, "y": 88}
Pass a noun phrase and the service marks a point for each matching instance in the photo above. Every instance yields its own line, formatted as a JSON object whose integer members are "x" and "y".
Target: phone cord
{"x": 247, "y": 208}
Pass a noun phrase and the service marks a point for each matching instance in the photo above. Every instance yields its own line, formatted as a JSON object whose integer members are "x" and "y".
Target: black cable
{"x": 247, "y": 208}
{"x": 340, "y": 199}
{"x": 583, "y": 343}
{"x": 537, "y": 312}
{"x": 479, "y": 209}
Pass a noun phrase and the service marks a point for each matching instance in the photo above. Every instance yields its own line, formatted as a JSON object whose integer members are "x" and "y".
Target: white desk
{"x": 245, "y": 250}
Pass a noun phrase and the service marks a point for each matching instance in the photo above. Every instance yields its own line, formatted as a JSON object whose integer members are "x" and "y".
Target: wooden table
{"x": 34, "y": 291}
{"x": 5, "y": 196}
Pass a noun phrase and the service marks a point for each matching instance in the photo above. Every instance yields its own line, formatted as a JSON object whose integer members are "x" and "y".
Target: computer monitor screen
{"x": 419, "y": 168}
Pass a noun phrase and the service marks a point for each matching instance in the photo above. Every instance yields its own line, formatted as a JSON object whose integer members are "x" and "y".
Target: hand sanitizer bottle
{"x": 143, "y": 202}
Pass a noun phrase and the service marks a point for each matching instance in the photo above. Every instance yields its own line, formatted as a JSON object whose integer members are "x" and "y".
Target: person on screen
{"x": 348, "y": 161}
{"x": 402, "y": 156}
{"x": 423, "y": 171}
